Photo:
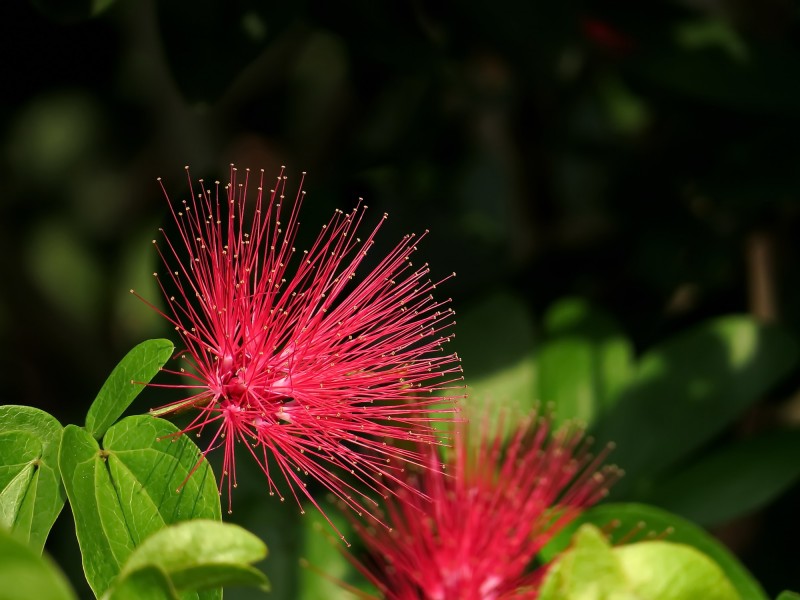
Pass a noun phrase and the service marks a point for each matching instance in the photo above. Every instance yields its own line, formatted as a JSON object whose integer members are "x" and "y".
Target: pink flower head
{"x": 316, "y": 369}
{"x": 492, "y": 510}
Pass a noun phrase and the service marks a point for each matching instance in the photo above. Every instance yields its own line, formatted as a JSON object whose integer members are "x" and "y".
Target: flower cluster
{"x": 314, "y": 367}
{"x": 324, "y": 364}
{"x": 492, "y": 508}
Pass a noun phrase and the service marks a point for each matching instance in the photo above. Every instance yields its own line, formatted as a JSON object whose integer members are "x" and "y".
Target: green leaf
{"x": 587, "y": 570}
{"x": 658, "y": 570}
{"x": 787, "y": 595}
{"x": 737, "y": 479}
{"x": 127, "y": 490}
{"x": 495, "y": 343}
{"x": 566, "y": 373}
{"x": 99, "y": 523}
{"x": 25, "y": 574}
{"x": 126, "y": 381}
{"x": 31, "y": 495}
{"x": 626, "y": 518}
{"x": 12, "y": 495}
{"x": 510, "y": 389}
{"x": 323, "y": 555}
{"x": 585, "y": 362}
{"x": 667, "y": 571}
{"x": 690, "y": 388}
{"x": 147, "y": 582}
{"x": 279, "y": 524}
{"x": 195, "y": 555}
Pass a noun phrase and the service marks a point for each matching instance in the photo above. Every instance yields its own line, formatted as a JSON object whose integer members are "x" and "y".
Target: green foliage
{"x": 668, "y": 571}
{"x": 145, "y": 476}
{"x": 171, "y": 564}
{"x": 584, "y": 362}
{"x": 787, "y": 595}
{"x": 31, "y": 494}
{"x": 495, "y": 341}
{"x": 190, "y": 556}
{"x": 325, "y": 569}
{"x": 587, "y": 570}
{"x": 25, "y": 574}
{"x": 146, "y": 582}
{"x": 630, "y": 152}
{"x": 687, "y": 389}
{"x": 733, "y": 480}
{"x": 126, "y": 382}
{"x": 592, "y": 570}
{"x": 627, "y": 519}
{"x": 659, "y": 409}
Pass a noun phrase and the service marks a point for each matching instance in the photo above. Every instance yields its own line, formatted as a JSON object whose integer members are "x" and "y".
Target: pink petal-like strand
{"x": 313, "y": 367}
{"x": 492, "y": 508}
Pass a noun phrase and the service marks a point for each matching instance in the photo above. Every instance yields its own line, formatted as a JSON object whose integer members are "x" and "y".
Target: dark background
{"x": 641, "y": 155}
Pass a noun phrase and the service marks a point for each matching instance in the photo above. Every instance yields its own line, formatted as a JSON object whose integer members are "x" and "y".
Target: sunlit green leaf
{"x": 200, "y": 554}
{"x": 584, "y": 363}
{"x": 566, "y": 370}
{"x": 591, "y": 569}
{"x": 639, "y": 521}
{"x": 665, "y": 570}
{"x": 126, "y": 381}
{"x": 587, "y": 570}
{"x": 31, "y": 495}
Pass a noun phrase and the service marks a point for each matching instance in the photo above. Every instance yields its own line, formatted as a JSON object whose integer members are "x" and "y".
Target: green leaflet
{"x": 127, "y": 489}
{"x": 126, "y": 381}
{"x": 31, "y": 495}
{"x": 193, "y": 555}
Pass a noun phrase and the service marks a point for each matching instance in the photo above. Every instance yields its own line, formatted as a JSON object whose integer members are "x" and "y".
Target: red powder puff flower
{"x": 492, "y": 510}
{"x": 315, "y": 369}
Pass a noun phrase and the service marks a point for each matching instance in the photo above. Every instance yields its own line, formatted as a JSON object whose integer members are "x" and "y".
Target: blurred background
{"x": 609, "y": 179}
